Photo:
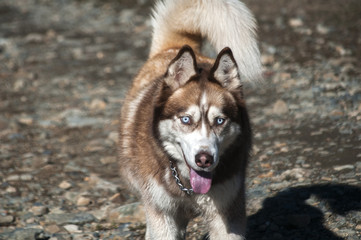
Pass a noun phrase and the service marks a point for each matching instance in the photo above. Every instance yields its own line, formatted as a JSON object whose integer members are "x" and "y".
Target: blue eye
{"x": 185, "y": 120}
{"x": 219, "y": 121}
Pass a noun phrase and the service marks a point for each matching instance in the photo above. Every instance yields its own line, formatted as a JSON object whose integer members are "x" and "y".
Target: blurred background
{"x": 65, "y": 67}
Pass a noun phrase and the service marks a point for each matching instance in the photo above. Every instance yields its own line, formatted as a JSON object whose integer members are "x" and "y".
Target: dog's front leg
{"x": 162, "y": 225}
{"x": 226, "y": 229}
{"x": 227, "y": 222}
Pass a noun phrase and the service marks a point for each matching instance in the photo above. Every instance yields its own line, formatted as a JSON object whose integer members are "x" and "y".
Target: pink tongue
{"x": 200, "y": 181}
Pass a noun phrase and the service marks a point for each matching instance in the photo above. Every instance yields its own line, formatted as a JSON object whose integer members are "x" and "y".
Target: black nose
{"x": 204, "y": 159}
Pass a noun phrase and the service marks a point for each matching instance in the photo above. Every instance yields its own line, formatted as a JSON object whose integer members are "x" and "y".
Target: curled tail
{"x": 225, "y": 23}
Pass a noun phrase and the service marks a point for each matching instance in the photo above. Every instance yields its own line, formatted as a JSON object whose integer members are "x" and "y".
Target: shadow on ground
{"x": 300, "y": 212}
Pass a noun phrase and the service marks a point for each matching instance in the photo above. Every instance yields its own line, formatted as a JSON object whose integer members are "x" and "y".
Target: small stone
{"x": 39, "y": 210}
{"x": 6, "y": 220}
{"x": 30, "y": 220}
{"x": 65, "y": 185}
{"x": 324, "y": 178}
{"x": 13, "y": 178}
{"x": 322, "y": 29}
{"x": 97, "y": 104}
{"x": 295, "y": 22}
{"x": 344, "y": 167}
{"x": 108, "y": 160}
{"x": 280, "y": 107}
{"x": 10, "y": 189}
{"x": 295, "y": 173}
{"x": 342, "y": 51}
{"x": 70, "y": 218}
{"x": 26, "y": 121}
{"x": 26, "y": 177}
{"x": 71, "y": 196}
{"x": 284, "y": 149}
{"x": 133, "y": 212}
{"x": 113, "y": 136}
{"x": 34, "y": 38}
{"x": 19, "y": 84}
{"x": 267, "y": 59}
{"x": 100, "y": 183}
{"x": 71, "y": 228}
{"x": 115, "y": 198}
{"x": 52, "y": 229}
{"x": 279, "y": 186}
{"x": 77, "y": 53}
{"x": 83, "y": 201}
{"x": 358, "y": 227}
{"x": 102, "y": 213}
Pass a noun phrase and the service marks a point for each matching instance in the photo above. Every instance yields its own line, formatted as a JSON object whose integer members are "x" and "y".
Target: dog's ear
{"x": 181, "y": 68}
{"x": 225, "y": 70}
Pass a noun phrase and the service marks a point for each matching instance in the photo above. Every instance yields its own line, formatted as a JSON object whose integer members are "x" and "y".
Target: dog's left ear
{"x": 181, "y": 68}
{"x": 225, "y": 70}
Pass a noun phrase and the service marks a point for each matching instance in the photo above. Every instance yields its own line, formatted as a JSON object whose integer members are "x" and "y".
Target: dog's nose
{"x": 204, "y": 160}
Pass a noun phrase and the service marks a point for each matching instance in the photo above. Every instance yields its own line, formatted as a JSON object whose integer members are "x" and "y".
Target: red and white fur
{"x": 188, "y": 110}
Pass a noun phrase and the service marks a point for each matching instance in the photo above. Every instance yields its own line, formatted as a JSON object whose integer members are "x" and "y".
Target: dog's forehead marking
{"x": 204, "y": 101}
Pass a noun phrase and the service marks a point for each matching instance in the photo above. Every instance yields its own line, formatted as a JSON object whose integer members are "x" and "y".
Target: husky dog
{"x": 185, "y": 136}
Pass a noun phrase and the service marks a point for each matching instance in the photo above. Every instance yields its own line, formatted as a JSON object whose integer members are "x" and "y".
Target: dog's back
{"x": 188, "y": 110}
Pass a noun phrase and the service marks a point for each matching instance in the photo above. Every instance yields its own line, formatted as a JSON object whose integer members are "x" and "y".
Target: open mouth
{"x": 201, "y": 181}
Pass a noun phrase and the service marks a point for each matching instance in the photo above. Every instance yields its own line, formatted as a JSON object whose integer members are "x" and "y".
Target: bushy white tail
{"x": 225, "y": 23}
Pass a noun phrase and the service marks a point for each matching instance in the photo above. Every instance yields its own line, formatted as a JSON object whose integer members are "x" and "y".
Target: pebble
{"x": 295, "y": 173}
{"x": 322, "y": 29}
{"x": 133, "y": 212}
{"x": 71, "y": 228}
{"x": 115, "y": 198}
{"x": 10, "y": 189}
{"x": 26, "y": 177}
{"x": 6, "y": 220}
{"x": 267, "y": 59}
{"x": 26, "y": 121}
{"x": 70, "y": 218}
{"x": 83, "y": 201}
{"x": 280, "y": 107}
{"x": 65, "y": 185}
{"x": 97, "y": 104}
{"x": 344, "y": 167}
{"x": 52, "y": 228}
{"x": 108, "y": 160}
{"x": 113, "y": 136}
{"x": 39, "y": 210}
{"x": 295, "y": 22}
{"x": 100, "y": 183}
{"x": 34, "y": 38}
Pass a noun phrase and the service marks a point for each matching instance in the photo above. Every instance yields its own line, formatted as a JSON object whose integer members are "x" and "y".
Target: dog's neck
{"x": 188, "y": 191}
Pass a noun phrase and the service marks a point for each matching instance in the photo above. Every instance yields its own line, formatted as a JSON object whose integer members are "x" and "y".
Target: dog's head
{"x": 200, "y": 114}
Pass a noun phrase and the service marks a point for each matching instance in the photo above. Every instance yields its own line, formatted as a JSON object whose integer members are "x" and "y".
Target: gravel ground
{"x": 65, "y": 66}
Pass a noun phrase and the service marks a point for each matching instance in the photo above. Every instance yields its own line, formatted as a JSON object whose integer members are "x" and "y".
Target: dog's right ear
{"x": 181, "y": 68}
